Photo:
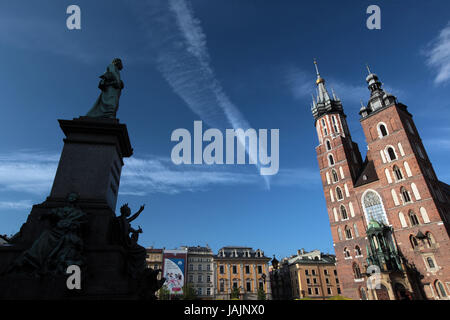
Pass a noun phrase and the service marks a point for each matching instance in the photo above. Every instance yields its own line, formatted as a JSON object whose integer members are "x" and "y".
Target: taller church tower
{"x": 388, "y": 214}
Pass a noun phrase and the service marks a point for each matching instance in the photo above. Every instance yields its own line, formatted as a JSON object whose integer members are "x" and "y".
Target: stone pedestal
{"x": 92, "y": 159}
{"x": 90, "y": 165}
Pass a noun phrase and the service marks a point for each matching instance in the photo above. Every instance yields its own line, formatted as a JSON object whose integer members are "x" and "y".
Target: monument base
{"x": 77, "y": 225}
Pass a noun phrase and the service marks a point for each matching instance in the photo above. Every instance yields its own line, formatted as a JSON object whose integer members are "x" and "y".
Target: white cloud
{"x": 183, "y": 60}
{"x": 16, "y": 205}
{"x": 27, "y": 171}
{"x": 32, "y": 172}
{"x": 438, "y": 55}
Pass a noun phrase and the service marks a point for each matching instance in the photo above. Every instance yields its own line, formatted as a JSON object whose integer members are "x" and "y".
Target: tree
{"x": 235, "y": 293}
{"x": 189, "y": 292}
{"x": 261, "y": 294}
{"x": 164, "y": 293}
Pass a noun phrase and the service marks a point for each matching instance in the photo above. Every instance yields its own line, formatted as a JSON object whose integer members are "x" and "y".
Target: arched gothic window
{"x": 374, "y": 208}
{"x": 333, "y": 119}
{"x": 335, "y": 175}
{"x": 328, "y": 145}
{"x": 413, "y": 219}
{"x": 440, "y": 289}
{"x": 357, "y": 271}
{"x": 331, "y": 160}
{"x": 413, "y": 241}
{"x": 405, "y": 195}
{"x": 346, "y": 253}
{"x": 398, "y": 173}
{"x": 348, "y": 233}
{"x": 383, "y": 130}
{"x": 391, "y": 154}
{"x": 339, "y": 193}
{"x": 431, "y": 263}
{"x": 325, "y": 132}
{"x": 344, "y": 215}
{"x": 358, "y": 251}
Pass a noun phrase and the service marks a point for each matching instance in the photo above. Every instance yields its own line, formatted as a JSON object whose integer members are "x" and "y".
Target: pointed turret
{"x": 324, "y": 103}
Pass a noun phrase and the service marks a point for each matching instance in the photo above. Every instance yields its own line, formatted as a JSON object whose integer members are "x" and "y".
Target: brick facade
{"x": 395, "y": 185}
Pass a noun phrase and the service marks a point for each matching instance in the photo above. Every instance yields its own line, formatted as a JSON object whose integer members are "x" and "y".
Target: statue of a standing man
{"x": 108, "y": 102}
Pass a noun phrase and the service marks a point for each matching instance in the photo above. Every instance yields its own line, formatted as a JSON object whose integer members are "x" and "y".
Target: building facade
{"x": 243, "y": 268}
{"x": 200, "y": 271}
{"x": 310, "y": 275}
{"x": 389, "y": 214}
{"x": 313, "y": 275}
{"x": 155, "y": 259}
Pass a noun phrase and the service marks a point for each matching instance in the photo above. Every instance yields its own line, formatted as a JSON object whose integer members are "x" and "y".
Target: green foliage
{"x": 164, "y": 293}
{"x": 261, "y": 294}
{"x": 189, "y": 292}
{"x": 235, "y": 294}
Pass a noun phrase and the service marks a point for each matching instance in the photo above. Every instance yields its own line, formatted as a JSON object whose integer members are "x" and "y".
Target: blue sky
{"x": 224, "y": 62}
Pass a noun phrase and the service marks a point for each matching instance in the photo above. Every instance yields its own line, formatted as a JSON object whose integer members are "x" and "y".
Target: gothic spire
{"x": 324, "y": 103}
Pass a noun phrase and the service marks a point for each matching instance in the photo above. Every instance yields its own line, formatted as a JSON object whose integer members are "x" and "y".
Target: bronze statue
{"x": 136, "y": 254}
{"x": 108, "y": 101}
{"x": 57, "y": 247}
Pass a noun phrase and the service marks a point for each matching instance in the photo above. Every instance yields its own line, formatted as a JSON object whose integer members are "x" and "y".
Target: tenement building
{"x": 241, "y": 268}
{"x": 155, "y": 259}
{"x": 310, "y": 275}
{"x": 200, "y": 271}
{"x": 389, "y": 214}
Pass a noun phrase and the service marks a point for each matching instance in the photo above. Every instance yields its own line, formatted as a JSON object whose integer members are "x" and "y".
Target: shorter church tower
{"x": 389, "y": 214}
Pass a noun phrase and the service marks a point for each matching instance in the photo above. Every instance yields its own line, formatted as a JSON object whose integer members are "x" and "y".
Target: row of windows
{"x": 200, "y": 260}
{"x": 343, "y": 214}
{"x": 413, "y": 219}
{"x": 335, "y": 126}
{"x": 317, "y": 291}
{"x": 397, "y": 173}
{"x": 235, "y": 284}
{"x": 405, "y": 195}
{"x": 347, "y": 254}
{"x": 200, "y": 291}
{"x": 235, "y": 271}
{"x": 200, "y": 267}
{"x": 234, "y": 254}
{"x": 199, "y": 278}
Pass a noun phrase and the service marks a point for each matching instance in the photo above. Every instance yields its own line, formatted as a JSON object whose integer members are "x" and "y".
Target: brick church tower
{"x": 389, "y": 214}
